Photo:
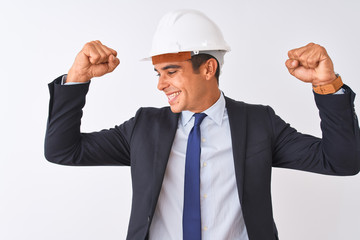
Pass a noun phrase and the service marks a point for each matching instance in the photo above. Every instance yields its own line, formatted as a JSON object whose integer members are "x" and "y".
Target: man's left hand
{"x": 311, "y": 64}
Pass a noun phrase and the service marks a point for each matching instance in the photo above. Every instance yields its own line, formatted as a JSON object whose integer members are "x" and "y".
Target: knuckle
{"x": 322, "y": 49}
{"x": 293, "y": 54}
{"x": 107, "y": 52}
{"x": 303, "y": 58}
{"x": 88, "y": 45}
{"x": 290, "y": 53}
{"x": 96, "y": 57}
{"x": 311, "y": 62}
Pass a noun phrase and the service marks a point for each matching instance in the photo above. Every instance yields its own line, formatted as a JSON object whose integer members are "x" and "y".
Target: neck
{"x": 211, "y": 99}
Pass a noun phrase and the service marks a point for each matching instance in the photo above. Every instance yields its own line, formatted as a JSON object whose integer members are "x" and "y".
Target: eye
{"x": 171, "y": 72}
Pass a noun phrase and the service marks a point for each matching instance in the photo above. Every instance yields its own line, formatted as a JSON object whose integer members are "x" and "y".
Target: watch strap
{"x": 330, "y": 88}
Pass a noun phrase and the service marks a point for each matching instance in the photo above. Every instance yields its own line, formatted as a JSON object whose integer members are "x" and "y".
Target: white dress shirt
{"x": 221, "y": 215}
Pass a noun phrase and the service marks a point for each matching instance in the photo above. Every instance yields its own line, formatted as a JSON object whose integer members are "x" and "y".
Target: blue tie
{"x": 191, "y": 213}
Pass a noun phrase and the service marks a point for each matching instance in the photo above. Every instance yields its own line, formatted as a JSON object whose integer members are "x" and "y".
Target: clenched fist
{"x": 94, "y": 60}
{"x": 312, "y": 64}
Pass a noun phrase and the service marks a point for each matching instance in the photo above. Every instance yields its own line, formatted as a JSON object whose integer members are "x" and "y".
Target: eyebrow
{"x": 167, "y": 67}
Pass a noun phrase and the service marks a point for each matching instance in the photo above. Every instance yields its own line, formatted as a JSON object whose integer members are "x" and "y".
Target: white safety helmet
{"x": 188, "y": 31}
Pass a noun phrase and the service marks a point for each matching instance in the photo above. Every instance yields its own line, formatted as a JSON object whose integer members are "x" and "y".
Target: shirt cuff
{"x": 339, "y": 92}
{"x": 63, "y": 81}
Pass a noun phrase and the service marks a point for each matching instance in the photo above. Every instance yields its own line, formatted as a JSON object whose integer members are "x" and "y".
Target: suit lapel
{"x": 237, "y": 119}
{"x": 163, "y": 145}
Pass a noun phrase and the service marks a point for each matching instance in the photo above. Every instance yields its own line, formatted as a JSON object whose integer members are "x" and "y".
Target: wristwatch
{"x": 330, "y": 88}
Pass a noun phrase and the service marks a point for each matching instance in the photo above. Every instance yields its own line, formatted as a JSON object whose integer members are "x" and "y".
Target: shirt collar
{"x": 215, "y": 112}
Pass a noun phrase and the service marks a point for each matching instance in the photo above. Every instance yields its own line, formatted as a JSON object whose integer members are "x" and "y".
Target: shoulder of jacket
{"x": 155, "y": 113}
{"x": 249, "y": 106}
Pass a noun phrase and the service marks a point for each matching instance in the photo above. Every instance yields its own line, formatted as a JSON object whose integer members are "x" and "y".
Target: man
{"x": 202, "y": 168}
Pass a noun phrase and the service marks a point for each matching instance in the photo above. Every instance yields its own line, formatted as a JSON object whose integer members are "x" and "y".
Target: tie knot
{"x": 199, "y": 117}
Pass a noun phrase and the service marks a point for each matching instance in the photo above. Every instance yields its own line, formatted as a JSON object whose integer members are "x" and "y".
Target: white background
{"x": 39, "y": 40}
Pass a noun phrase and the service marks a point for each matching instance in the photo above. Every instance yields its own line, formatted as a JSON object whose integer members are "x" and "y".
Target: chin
{"x": 175, "y": 109}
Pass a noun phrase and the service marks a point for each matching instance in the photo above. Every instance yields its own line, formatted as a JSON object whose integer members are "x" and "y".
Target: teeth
{"x": 171, "y": 96}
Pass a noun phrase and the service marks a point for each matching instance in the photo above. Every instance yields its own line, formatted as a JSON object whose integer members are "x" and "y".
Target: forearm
{"x": 337, "y": 153}
{"x": 340, "y": 131}
{"x": 63, "y": 126}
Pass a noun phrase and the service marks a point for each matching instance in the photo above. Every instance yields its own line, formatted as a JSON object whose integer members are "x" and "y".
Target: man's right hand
{"x": 94, "y": 60}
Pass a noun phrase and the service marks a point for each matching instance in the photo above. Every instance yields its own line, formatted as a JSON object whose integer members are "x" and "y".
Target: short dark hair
{"x": 199, "y": 59}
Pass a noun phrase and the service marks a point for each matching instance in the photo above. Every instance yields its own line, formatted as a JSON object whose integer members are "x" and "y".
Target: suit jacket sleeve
{"x": 66, "y": 145}
{"x": 337, "y": 153}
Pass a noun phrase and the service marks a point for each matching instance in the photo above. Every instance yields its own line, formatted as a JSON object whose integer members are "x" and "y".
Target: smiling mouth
{"x": 172, "y": 96}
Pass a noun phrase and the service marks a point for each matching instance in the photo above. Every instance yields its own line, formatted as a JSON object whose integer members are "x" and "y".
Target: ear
{"x": 210, "y": 68}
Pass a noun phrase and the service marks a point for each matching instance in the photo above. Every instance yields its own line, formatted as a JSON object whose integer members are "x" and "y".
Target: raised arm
{"x": 64, "y": 143}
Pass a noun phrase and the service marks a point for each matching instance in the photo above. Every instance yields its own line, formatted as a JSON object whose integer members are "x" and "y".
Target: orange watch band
{"x": 333, "y": 87}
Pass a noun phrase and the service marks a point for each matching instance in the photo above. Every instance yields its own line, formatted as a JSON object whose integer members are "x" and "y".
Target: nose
{"x": 162, "y": 83}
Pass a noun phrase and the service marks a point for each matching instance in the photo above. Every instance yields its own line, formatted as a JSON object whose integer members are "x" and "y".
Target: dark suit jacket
{"x": 260, "y": 141}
